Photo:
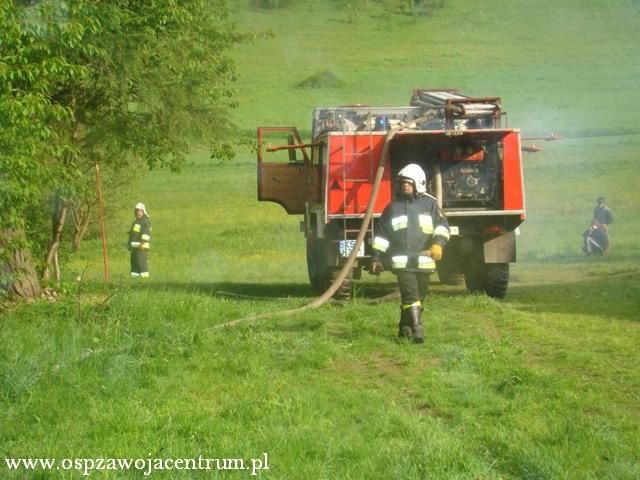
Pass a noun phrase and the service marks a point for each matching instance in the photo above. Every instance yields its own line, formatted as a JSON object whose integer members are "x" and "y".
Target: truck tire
{"x": 489, "y": 278}
{"x": 321, "y": 275}
{"x": 316, "y": 265}
{"x": 345, "y": 290}
{"x": 497, "y": 279}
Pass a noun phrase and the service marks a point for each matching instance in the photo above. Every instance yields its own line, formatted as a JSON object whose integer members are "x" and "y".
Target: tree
{"x": 27, "y": 116}
{"x": 115, "y": 83}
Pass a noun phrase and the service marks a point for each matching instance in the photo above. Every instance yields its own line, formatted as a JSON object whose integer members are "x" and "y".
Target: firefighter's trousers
{"x": 413, "y": 286}
{"x": 139, "y": 265}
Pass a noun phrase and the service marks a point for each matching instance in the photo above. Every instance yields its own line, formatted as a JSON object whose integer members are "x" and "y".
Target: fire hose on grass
{"x": 328, "y": 294}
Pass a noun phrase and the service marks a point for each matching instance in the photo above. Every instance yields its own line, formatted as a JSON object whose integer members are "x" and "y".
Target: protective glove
{"x": 435, "y": 252}
{"x": 376, "y": 267}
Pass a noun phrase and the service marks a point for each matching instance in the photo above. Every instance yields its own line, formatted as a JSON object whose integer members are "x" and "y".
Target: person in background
{"x": 139, "y": 240}
{"x": 596, "y": 237}
{"x": 602, "y": 214}
{"x": 413, "y": 230}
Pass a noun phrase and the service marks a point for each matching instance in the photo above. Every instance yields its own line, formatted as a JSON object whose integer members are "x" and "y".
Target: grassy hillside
{"x": 570, "y": 66}
{"x": 542, "y": 385}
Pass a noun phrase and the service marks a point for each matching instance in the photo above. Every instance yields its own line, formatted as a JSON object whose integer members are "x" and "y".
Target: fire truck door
{"x": 284, "y": 178}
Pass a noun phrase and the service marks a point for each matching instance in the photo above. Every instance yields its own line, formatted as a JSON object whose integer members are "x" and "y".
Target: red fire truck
{"x": 473, "y": 168}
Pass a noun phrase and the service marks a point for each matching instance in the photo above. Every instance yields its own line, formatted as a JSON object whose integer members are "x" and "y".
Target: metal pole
{"x": 103, "y": 233}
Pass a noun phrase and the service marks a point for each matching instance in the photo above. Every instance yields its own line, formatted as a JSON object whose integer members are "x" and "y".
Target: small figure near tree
{"x": 139, "y": 240}
{"x": 85, "y": 83}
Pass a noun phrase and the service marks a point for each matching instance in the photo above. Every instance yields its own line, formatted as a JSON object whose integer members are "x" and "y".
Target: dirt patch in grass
{"x": 376, "y": 366}
{"x": 433, "y": 411}
{"x": 381, "y": 370}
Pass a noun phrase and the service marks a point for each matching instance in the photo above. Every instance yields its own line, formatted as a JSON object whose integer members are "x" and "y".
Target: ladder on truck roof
{"x": 367, "y": 155}
{"x": 455, "y": 106}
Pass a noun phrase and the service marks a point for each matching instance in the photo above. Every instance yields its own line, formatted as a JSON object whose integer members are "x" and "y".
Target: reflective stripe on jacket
{"x": 140, "y": 234}
{"x": 406, "y": 228}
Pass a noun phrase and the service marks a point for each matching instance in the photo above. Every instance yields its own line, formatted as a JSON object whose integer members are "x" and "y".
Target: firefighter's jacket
{"x": 407, "y": 227}
{"x": 140, "y": 234}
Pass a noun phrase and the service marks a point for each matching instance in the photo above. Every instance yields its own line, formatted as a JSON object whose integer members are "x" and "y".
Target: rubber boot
{"x": 404, "y": 327}
{"x": 415, "y": 316}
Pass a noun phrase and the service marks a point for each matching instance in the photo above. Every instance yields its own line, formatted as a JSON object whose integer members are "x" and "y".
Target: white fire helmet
{"x": 415, "y": 173}
{"x": 140, "y": 206}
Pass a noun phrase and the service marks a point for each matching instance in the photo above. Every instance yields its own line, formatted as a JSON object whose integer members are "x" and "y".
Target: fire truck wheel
{"x": 497, "y": 279}
{"x": 489, "y": 278}
{"x": 316, "y": 266}
{"x": 474, "y": 281}
{"x": 345, "y": 290}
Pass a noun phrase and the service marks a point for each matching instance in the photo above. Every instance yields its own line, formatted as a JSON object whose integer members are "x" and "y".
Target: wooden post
{"x": 103, "y": 233}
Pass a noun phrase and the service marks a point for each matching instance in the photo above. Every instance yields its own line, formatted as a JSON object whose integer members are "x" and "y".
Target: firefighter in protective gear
{"x": 412, "y": 232}
{"x": 139, "y": 241}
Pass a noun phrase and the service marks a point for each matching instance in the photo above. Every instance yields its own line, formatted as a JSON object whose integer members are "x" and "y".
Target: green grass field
{"x": 542, "y": 385}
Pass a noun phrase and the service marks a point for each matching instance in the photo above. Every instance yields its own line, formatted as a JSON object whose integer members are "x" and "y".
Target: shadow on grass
{"x": 611, "y": 296}
{"x": 267, "y": 291}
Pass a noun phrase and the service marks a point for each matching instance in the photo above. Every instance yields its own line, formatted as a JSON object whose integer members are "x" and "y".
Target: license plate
{"x": 346, "y": 246}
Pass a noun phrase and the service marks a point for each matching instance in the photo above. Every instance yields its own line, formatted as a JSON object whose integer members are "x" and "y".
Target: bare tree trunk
{"x": 81, "y": 207}
{"x": 58, "y": 218}
{"x": 81, "y": 215}
{"x": 18, "y": 275}
{"x": 56, "y": 266}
